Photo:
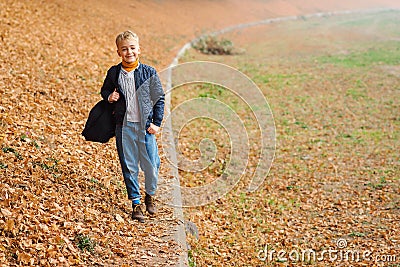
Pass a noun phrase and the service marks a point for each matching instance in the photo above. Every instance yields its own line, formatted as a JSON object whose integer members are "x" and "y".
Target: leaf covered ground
{"x": 62, "y": 199}
{"x": 333, "y": 86}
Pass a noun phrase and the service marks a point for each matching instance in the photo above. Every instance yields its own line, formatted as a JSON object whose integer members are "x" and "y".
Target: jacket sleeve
{"x": 108, "y": 84}
{"x": 158, "y": 98}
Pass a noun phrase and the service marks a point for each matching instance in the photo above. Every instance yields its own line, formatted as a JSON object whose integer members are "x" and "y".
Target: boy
{"x": 137, "y": 95}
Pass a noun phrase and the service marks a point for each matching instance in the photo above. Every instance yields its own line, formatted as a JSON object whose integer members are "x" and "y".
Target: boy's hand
{"x": 153, "y": 129}
{"x": 114, "y": 96}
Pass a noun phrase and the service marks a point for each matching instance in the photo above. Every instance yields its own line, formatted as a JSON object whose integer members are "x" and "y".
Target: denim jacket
{"x": 150, "y": 94}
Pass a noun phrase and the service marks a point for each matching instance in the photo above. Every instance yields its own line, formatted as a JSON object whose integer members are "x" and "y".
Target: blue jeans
{"x": 135, "y": 146}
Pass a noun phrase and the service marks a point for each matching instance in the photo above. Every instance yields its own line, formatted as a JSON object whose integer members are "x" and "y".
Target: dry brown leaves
{"x": 335, "y": 177}
{"x": 63, "y": 201}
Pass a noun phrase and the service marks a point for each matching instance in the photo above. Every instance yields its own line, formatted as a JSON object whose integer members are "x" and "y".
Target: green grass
{"x": 276, "y": 81}
{"x": 376, "y": 22}
{"x": 337, "y": 128}
{"x": 357, "y": 234}
{"x": 85, "y": 243}
{"x": 382, "y": 183}
{"x": 210, "y": 91}
{"x": 13, "y": 151}
{"x": 192, "y": 262}
{"x": 387, "y": 55}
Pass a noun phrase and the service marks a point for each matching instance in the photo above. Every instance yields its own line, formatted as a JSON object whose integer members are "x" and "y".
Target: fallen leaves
{"x": 119, "y": 218}
{"x": 62, "y": 200}
{"x": 335, "y": 175}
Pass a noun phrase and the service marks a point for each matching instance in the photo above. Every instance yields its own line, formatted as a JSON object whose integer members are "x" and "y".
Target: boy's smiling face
{"x": 128, "y": 50}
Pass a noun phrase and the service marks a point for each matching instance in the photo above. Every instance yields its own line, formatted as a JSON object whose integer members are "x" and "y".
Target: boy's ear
{"x": 119, "y": 54}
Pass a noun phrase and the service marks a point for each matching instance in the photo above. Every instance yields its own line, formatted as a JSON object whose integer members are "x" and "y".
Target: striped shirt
{"x": 126, "y": 81}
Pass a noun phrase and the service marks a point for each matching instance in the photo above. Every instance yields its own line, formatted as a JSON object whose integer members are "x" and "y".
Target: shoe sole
{"x": 139, "y": 220}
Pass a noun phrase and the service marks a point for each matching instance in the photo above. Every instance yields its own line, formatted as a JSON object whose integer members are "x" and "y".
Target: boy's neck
{"x": 130, "y": 66}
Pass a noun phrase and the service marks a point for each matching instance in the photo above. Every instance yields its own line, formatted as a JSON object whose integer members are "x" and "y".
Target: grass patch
{"x": 211, "y": 91}
{"x": 49, "y": 165}
{"x": 388, "y": 55}
{"x": 192, "y": 262}
{"x": 379, "y": 185}
{"x": 357, "y": 234}
{"x": 13, "y": 151}
{"x": 385, "y": 20}
{"x": 85, "y": 243}
{"x": 356, "y": 93}
{"x": 336, "y": 139}
{"x": 25, "y": 138}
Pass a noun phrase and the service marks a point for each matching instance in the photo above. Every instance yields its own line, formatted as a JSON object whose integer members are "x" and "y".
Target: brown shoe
{"x": 137, "y": 213}
{"x": 150, "y": 205}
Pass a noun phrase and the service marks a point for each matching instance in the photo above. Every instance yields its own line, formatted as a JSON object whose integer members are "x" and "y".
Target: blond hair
{"x": 126, "y": 35}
